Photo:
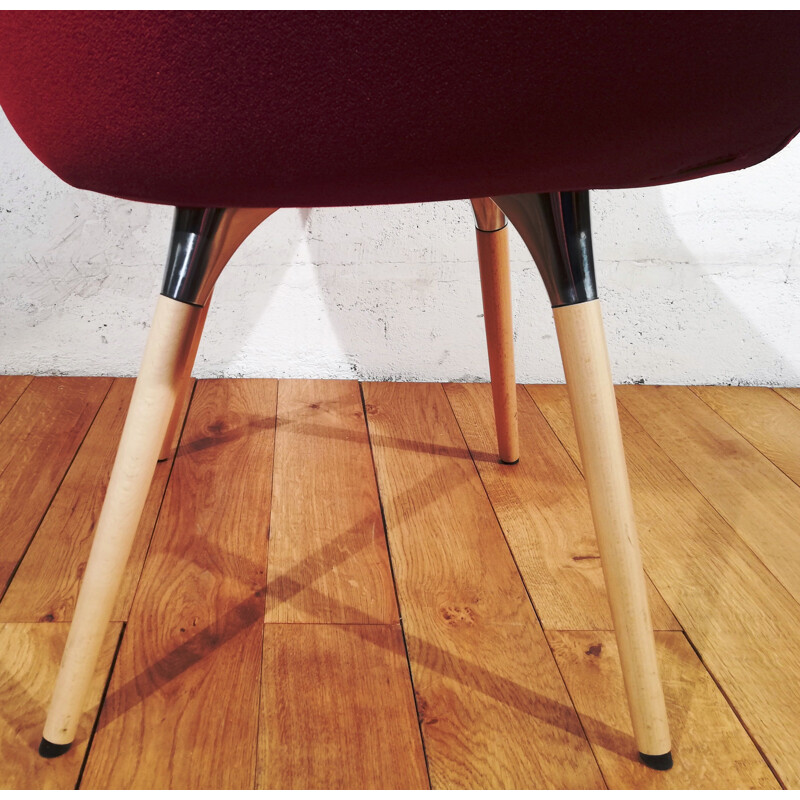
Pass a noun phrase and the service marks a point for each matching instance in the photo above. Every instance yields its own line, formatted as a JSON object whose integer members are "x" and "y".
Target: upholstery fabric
{"x": 347, "y": 108}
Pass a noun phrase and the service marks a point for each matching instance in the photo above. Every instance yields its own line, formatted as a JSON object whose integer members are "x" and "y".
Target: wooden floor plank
{"x": 328, "y": 560}
{"x": 29, "y": 659}
{"x": 494, "y": 713}
{"x": 45, "y": 587}
{"x": 337, "y": 710}
{"x": 711, "y": 749}
{"x": 182, "y": 707}
{"x": 11, "y": 387}
{"x": 38, "y": 439}
{"x": 543, "y": 508}
{"x": 763, "y": 417}
{"x": 759, "y": 502}
{"x": 494, "y": 710}
{"x": 791, "y": 395}
{"x": 741, "y": 620}
{"x": 552, "y": 400}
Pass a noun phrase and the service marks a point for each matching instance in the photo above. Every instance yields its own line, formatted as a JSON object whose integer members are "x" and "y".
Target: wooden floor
{"x": 338, "y": 585}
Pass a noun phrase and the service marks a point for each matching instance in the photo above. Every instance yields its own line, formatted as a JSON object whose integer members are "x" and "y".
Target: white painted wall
{"x": 700, "y": 281}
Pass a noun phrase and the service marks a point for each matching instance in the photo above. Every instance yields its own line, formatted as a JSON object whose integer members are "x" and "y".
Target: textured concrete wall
{"x": 700, "y": 283}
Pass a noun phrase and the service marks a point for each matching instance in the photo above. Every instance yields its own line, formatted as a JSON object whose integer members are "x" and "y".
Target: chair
{"x": 229, "y": 116}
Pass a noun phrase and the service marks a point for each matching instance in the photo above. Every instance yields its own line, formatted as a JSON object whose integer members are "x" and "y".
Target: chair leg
{"x": 582, "y": 342}
{"x": 557, "y": 231}
{"x": 491, "y": 230}
{"x": 202, "y": 242}
{"x": 153, "y": 398}
{"x": 171, "y": 436}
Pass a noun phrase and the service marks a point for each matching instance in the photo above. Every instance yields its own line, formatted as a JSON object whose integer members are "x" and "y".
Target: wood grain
{"x": 553, "y": 402}
{"x": 543, "y": 508}
{"x": 11, "y": 388}
{"x": 182, "y": 708}
{"x": 790, "y": 395}
{"x": 29, "y": 659}
{"x": 764, "y": 418}
{"x": 328, "y": 560}
{"x": 38, "y": 439}
{"x": 45, "y": 587}
{"x": 494, "y": 709}
{"x": 759, "y": 502}
{"x": 742, "y": 621}
{"x": 491, "y": 711}
{"x": 337, "y": 710}
{"x": 711, "y": 749}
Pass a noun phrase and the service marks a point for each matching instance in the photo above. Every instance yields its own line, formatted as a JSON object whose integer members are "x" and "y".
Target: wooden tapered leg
{"x": 582, "y": 342}
{"x": 556, "y": 228}
{"x": 173, "y": 429}
{"x": 153, "y": 400}
{"x": 492, "y": 233}
{"x": 203, "y": 240}
{"x": 496, "y": 291}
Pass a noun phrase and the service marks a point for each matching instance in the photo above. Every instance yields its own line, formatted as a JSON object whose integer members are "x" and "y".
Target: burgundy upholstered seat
{"x": 297, "y": 109}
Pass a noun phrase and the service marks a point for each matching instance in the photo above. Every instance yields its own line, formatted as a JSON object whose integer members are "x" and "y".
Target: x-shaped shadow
{"x": 423, "y": 653}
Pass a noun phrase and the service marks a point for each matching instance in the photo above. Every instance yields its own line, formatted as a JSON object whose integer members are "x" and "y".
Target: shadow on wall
{"x": 372, "y": 299}
{"x": 688, "y": 288}
{"x": 693, "y": 286}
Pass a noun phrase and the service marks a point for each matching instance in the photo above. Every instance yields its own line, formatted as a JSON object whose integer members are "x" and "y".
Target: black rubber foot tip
{"x": 50, "y": 750}
{"x": 663, "y": 762}
{"x": 510, "y": 463}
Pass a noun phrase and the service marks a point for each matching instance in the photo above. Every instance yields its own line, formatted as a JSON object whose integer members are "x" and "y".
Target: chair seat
{"x": 219, "y": 109}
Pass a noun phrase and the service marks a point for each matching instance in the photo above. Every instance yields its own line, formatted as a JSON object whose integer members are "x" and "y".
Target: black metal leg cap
{"x": 510, "y": 463}
{"x": 662, "y": 762}
{"x": 50, "y": 750}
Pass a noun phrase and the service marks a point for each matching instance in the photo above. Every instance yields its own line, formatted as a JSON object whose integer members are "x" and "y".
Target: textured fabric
{"x": 347, "y": 108}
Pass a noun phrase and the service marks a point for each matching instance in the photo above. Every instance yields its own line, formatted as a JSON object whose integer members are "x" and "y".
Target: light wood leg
{"x": 153, "y": 399}
{"x": 496, "y": 290}
{"x": 173, "y": 429}
{"x": 591, "y": 392}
